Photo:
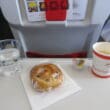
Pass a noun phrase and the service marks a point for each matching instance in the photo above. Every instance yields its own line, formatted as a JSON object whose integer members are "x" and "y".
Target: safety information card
{"x": 35, "y": 10}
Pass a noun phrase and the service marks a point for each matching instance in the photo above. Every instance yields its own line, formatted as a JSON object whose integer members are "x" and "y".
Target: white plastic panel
{"x": 10, "y": 9}
{"x": 56, "y": 36}
{"x": 95, "y": 14}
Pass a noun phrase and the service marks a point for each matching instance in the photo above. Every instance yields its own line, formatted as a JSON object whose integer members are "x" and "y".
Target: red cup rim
{"x": 101, "y": 56}
{"x": 100, "y": 76}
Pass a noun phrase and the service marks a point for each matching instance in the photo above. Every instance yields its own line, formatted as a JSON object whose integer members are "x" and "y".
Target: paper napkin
{"x": 41, "y": 100}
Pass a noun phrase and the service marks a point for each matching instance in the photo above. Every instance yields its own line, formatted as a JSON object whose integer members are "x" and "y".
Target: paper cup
{"x": 101, "y": 59}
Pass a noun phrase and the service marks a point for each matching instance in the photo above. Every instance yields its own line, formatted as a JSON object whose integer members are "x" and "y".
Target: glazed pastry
{"x": 45, "y": 77}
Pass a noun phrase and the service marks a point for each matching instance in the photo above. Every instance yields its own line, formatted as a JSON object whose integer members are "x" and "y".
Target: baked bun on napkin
{"x": 46, "y": 76}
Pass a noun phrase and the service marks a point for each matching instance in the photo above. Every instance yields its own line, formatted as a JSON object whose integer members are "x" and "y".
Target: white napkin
{"x": 42, "y": 100}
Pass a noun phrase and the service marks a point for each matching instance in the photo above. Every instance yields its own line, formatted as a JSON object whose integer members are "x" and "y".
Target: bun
{"x": 45, "y": 77}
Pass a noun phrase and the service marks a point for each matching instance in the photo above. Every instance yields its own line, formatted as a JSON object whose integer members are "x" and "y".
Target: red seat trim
{"x": 32, "y": 54}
